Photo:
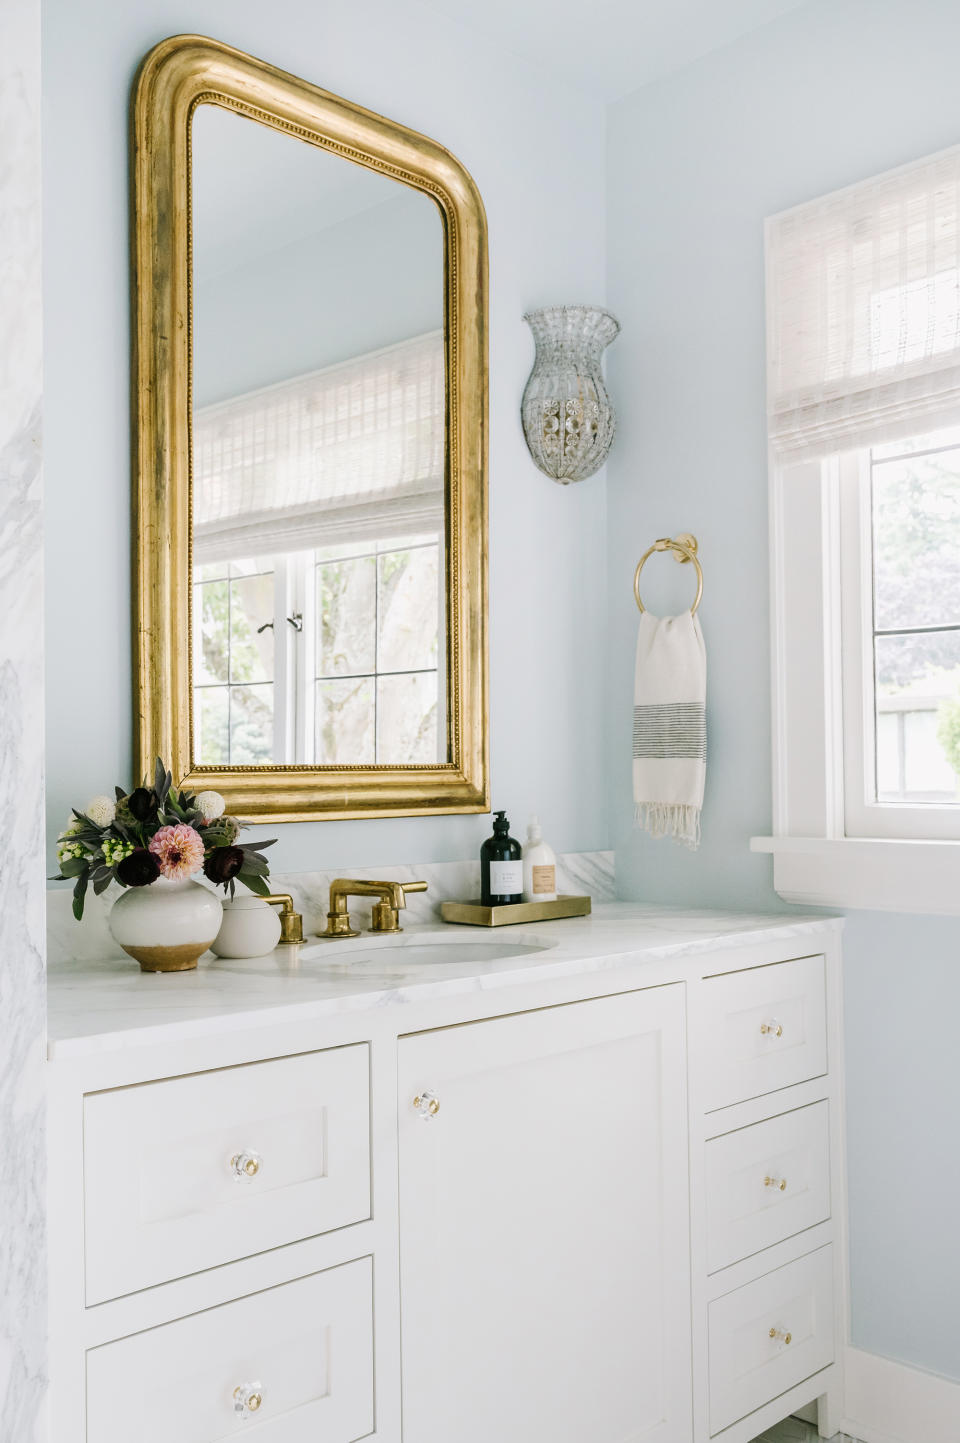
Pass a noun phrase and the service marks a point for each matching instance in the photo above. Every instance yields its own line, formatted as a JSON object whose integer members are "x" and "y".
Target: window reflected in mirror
{"x": 319, "y": 564}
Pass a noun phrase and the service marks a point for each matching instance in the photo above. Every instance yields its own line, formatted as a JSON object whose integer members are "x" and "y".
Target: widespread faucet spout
{"x": 391, "y": 897}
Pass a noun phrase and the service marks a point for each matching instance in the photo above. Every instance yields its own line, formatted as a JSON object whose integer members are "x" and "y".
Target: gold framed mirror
{"x": 310, "y": 534}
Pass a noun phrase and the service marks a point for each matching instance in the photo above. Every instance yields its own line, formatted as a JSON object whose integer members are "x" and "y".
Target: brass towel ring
{"x": 685, "y": 549}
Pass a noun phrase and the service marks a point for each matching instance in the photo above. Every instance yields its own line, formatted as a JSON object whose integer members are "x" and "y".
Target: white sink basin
{"x": 391, "y": 957}
{"x": 404, "y": 951}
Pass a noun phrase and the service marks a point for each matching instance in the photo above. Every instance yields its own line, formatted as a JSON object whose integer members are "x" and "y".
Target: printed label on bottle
{"x": 544, "y": 879}
{"x": 506, "y": 879}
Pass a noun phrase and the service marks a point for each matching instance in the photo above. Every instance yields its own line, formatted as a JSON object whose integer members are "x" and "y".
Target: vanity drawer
{"x": 764, "y": 1029}
{"x": 162, "y": 1193}
{"x": 748, "y": 1366}
{"x": 766, "y": 1182}
{"x": 305, "y": 1349}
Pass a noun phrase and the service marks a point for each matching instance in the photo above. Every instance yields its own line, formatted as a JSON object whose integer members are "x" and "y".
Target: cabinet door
{"x": 544, "y": 1226}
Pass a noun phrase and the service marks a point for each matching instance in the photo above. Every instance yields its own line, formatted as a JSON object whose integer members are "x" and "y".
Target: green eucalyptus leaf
{"x": 79, "y": 892}
{"x": 255, "y": 883}
{"x": 255, "y": 864}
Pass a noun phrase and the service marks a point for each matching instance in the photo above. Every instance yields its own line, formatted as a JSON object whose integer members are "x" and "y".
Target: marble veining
{"x": 102, "y": 1006}
{"x": 22, "y": 1177}
{"x": 589, "y": 873}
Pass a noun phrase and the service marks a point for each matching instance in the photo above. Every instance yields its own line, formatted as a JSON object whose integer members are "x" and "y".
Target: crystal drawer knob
{"x": 771, "y": 1028}
{"x": 426, "y": 1105}
{"x": 780, "y": 1335}
{"x": 245, "y": 1166}
{"x": 780, "y": 1183}
{"x": 248, "y": 1399}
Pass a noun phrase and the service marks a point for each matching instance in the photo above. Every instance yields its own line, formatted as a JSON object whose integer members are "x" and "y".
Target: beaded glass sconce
{"x": 568, "y": 420}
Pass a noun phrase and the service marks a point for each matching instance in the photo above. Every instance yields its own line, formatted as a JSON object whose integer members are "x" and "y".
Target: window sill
{"x": 866, "y": 873}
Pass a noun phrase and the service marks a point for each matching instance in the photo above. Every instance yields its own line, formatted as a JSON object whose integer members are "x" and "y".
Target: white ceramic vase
{"x": 250, "y": 927}
{"x": 166, "y": 926}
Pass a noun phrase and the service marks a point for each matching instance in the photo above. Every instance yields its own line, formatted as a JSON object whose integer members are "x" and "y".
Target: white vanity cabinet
{"x": 544, "y": 1256}
{"x": 589, "y": 1195}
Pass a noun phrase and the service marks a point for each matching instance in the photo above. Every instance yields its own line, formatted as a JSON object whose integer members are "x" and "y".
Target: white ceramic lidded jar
{"x": 250, "y": 927}
{"x": 168, "y": 925}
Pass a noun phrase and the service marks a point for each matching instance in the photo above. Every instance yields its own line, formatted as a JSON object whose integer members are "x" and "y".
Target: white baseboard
{"x": 887, "y": 1402}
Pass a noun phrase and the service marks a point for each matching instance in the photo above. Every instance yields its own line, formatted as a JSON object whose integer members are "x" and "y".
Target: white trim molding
{"x": 887, "y": 1402}
{"x": 869, "y": 873}
{"x": 816, "y": 861}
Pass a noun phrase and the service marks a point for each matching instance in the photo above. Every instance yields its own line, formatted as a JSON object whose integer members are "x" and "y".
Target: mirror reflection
{"x": 319, "y": 568}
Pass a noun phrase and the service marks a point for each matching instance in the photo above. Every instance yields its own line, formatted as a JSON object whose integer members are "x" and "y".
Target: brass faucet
{"x": 291, "y": 923}
{"x": 385, "y": 912}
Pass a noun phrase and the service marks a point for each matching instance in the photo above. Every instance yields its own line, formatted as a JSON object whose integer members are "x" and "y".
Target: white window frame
{"x": 864, "y": 815}
{"x": 820, "y": 855}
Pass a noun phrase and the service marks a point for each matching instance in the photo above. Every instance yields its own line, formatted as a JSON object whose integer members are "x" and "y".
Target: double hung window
{"x": 863, "y": 297}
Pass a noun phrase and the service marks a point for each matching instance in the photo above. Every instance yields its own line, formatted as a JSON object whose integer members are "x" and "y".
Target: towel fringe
{"x": 670, "y": 819}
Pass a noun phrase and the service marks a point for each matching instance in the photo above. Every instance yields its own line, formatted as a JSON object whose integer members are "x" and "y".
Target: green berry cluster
{"x": 115, "y": 849}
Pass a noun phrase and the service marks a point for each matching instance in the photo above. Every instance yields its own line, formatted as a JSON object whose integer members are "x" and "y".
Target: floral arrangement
{"x": 153, "y": 832}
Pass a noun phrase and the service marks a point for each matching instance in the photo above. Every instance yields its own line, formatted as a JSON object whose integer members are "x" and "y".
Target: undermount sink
{"x": 403, "y": 952}
{"x": 464, "y": 952}
{"x": 388, "y": 959}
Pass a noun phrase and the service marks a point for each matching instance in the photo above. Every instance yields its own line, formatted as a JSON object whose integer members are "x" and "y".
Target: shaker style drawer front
{"x": 293, "y": 1364}
{"x": 191, "y": 1172}
{"x": 764, "y": 1029}
{"x": 766, "y": 1182}
{"x": 770, "y": 1335}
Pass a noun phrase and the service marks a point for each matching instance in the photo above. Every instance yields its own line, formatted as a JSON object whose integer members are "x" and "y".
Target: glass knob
{"x": 780, "y": 1183}
{"x": 771, "y": 1028}
{"x": 248, "y": 1399}
{"x": 427, "y": 1105}
{"x": 245, "y": 1166}
{"x": 781, "y": 1336}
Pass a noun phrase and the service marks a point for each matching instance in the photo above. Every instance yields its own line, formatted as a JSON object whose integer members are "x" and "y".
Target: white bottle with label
{"x": 539, "y": 866}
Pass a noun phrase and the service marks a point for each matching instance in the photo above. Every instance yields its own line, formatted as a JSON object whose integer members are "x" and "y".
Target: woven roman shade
{"x": 349, "y": 453}
{"x": 863, "y": 312}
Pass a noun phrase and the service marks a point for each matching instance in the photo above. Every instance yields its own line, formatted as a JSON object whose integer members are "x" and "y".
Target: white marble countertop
{"x": 97, "y": 1006}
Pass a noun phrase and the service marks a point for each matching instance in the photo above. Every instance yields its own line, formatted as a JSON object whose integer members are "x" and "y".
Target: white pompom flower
{"x": 101, "y": 811}
{"x": 211, "y": 806}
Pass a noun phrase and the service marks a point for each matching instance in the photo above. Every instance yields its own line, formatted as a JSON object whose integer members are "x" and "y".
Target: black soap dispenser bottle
{"x": 501, "y": 868}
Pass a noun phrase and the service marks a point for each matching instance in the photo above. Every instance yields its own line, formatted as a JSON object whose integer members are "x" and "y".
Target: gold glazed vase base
{"x": 168, "y": 959}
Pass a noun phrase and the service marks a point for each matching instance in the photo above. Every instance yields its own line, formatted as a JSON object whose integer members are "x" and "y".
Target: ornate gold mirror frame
{"x": 177, "y": 76}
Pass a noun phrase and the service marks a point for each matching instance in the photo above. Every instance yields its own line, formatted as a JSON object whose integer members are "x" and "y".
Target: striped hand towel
{"x": 669, "y": 726}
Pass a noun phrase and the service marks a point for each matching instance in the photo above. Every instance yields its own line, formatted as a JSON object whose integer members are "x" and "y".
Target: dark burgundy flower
{"x": 139, "y": 869}
{"x": 142, "y": 802}
{"x": 223, "y": 864}
{"x": 141, "y": 806}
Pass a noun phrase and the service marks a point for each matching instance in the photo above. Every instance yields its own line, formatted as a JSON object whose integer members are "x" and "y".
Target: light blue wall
{"x": 526, "y": 142}
{"x": 828, "y": 95}
{"x": 367, "y": 282}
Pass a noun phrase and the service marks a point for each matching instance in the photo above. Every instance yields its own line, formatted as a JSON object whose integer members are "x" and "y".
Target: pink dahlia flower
{"x": 179, "y": 851}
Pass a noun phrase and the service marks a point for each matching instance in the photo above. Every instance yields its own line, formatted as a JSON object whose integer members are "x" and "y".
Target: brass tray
{"x": 480, "y": 916}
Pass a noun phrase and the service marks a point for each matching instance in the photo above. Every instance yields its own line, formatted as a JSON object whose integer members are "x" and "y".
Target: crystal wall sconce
{"x": 567, "y": 417}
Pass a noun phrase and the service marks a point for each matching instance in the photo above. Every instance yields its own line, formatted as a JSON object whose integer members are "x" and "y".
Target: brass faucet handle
{"x": 386, "y": 914}
{"x": 291, "y": 922}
